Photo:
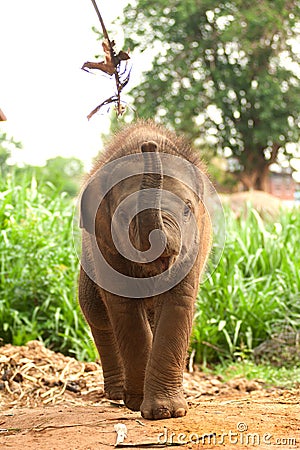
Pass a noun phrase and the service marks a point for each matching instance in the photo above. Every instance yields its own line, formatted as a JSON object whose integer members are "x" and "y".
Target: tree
{"x": 6, "y": 144}
{"x": 63, "y": 173}
{"x": 225, "y": 69}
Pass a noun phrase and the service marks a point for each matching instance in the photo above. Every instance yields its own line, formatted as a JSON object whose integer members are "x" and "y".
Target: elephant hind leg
{"x": 96, "y": 315}
{"x": 111, "y": 363}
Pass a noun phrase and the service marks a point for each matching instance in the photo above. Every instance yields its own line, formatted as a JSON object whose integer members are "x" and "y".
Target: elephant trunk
{"x": 150, "y": 218}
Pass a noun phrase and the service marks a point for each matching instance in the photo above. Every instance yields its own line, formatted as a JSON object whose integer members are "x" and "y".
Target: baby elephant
{"x": 146, "y": 236}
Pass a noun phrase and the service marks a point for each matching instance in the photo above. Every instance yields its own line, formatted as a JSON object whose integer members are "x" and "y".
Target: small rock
{"x": 90, "y": 367}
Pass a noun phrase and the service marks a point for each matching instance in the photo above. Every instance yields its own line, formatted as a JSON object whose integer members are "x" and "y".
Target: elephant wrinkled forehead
{"x": 180, "y": 189}
{"x": 125, "y": 190}
{"x": 188, "y": 179}
{"x": 124, "y": 167}
{"x": 132, "y": 166}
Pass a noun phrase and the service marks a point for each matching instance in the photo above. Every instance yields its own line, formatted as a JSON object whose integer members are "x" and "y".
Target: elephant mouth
{"x": 156, "y": 267}
{"x": 164, "y": 262}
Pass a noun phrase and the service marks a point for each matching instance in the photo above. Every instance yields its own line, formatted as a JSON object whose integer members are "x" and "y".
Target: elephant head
{"x": 143, "y": 215}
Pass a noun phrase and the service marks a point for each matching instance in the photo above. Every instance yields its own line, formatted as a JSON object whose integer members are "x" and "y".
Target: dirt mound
{"x": 33, "y": 375}
{"x": 282, "y": 349}
{"x": 265, "y": 204}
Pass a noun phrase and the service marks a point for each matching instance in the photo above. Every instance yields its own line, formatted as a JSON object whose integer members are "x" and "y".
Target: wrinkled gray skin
{"x": 143, "y": 342}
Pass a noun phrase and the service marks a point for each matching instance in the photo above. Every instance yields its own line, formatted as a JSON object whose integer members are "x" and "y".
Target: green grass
{"x": 38, "y": 269}
{"x": 253, "y": 294}
{"x": 285, "y": 377}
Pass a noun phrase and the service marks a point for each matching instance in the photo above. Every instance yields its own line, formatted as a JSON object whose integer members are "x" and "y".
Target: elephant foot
{"x": 133, "y": 401}
{"x": 114, "y": 391}
{"x": 164, "y": 408}
{"x": 114, "y": 395}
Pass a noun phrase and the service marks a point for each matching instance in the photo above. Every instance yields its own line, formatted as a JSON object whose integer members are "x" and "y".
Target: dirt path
{"x": 51, "y": 402}
{"x": 270, "y": 422}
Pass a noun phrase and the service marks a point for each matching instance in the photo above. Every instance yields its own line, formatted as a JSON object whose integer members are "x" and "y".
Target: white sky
{"x": 43, "y": 92}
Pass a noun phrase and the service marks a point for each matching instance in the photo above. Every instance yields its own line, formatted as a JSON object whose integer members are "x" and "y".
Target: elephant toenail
{"x": 180, "y": 412}
{"x": 162, "y": 413}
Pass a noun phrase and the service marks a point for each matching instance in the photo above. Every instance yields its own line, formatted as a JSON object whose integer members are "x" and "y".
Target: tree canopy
{"x": 227, "y": 70}
{"x": 63, "y": 173}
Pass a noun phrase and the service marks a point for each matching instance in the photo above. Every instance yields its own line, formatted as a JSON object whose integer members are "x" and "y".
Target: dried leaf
{"x": 100, "y": 66}
{"x": 110, "y": 66}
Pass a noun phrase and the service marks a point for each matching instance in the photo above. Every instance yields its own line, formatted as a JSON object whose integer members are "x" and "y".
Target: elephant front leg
{"x": 163, "y": 392}
{"x": 96, "y": 315}
{"x": 134, "y": 338}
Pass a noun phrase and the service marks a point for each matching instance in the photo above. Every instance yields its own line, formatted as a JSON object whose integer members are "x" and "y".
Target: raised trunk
{"x": 150, "y": 218}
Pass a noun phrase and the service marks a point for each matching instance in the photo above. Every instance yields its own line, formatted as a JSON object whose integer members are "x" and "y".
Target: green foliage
{"x": 223, "y": 180}
{"x": 238, "y": 56}
{"x": 254, "y": 292}
{"x": 63, "y": 174}
{"x": 38, "y": 269}
{"x": 272, "y": 376}
{"x": 5, "y": 144}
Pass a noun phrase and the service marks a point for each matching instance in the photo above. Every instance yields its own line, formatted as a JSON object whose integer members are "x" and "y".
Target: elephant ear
{"x": 93, "y": 205}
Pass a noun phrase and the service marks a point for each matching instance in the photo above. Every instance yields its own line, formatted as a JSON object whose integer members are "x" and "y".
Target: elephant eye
{"x": 187, "y": 210}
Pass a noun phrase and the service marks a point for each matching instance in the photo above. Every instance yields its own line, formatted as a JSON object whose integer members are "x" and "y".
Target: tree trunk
{"x": 262, "y": 180}
{"x": 247, "y": 179}
{"x": 257, "y": 179}
{"x": 257, "y": 176}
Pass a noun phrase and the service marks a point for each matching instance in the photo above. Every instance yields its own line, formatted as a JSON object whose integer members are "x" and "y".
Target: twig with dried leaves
{"x": 110, "y": 66}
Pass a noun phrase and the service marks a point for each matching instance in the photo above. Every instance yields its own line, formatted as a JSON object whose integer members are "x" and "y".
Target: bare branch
{"x": 105, "y": 34}
{"x": 110, "y": 66}
{"x": 112, "y": 99}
